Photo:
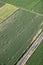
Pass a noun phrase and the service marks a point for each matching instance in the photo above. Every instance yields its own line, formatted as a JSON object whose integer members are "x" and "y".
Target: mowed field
{"x": 34, "y": 5}
{"x": 16, "y": 34}
{"x": 37, "y": 57}
{"x": 6, "y": 10}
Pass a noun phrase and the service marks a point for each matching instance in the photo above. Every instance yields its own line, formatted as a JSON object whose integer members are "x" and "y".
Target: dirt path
{"x": 31, "y": 50}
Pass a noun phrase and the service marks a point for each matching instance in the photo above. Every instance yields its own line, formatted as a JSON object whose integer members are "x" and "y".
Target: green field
{"x": 34, "y": 5}
{"x": 16, "y": 34}
{"x": 6, "y": 10}
{"x": 37, "y": 57}
{"x": 19, "y": 26}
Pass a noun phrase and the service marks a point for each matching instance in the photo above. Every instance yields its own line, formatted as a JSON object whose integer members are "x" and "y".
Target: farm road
{"x": 31, "y": 50}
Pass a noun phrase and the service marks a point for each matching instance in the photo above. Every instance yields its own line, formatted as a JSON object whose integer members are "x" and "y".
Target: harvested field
{"x": 16, "y": 35}
{"x": 6, "y": 10}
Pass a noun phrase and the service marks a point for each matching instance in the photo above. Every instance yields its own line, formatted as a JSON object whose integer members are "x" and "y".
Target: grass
{"x": 17, "y": 34}
{"x": 34, "y": 5}
{"x": 37, "y": 57}
{"x": 6, "y": 10}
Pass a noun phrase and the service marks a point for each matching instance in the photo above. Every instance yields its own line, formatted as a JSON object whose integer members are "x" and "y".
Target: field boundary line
{"x": 31, "y": 11}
